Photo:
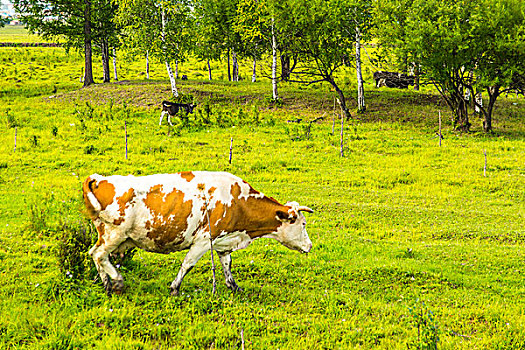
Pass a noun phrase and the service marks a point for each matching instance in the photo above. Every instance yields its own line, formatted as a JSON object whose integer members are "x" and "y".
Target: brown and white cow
{"x": 169, "y": 212}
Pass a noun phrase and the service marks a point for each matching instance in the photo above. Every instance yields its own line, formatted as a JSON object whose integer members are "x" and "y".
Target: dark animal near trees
{"x": 393, "y": 79}
{"x": 172, "y": 108}
{"x": 171, "y": 212}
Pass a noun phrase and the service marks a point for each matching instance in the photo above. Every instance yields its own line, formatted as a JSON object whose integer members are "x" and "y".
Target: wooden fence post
{"x": 126, "y": 137}
{"x": 485, "y": 167}
{"x": 231, "y": 149}
{"x": 439, "y": 135}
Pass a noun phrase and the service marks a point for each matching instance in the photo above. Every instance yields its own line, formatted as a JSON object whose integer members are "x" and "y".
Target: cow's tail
{"x": 91, "y": 202}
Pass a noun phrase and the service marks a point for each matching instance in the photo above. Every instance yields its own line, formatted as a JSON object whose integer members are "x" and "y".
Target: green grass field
{"x": 413, "y": 245}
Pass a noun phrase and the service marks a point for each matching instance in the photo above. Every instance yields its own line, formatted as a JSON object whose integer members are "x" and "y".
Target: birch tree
{"x": 216, "y": 20}
{"x": 260, "y": 25}
{"x": 162, "y": 29}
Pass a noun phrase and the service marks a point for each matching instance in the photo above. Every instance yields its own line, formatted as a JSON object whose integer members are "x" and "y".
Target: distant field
{"x": 412, "y": 241}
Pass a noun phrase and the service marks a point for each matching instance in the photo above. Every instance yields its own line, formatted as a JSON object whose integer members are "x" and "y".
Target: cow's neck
{"x": 255, "y": 216}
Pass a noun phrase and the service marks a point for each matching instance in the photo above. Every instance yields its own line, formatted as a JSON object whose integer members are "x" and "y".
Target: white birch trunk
{"x": 172, "y": 80}
{"x": 275, "y": 94}
{"x": 115, "y": 64}
{"x": 254, "y": 70}
{"x": 209, "y": 70}
{"x": 168, "y": 66}
{"x": 176, "y": 69}
{"x": 361, "y": 107}
{"x": 479, "y": 100}
{"x": 147, "y": 64}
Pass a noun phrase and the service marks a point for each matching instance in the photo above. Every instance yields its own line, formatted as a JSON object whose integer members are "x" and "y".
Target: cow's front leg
{"x": 226, "y": 262}
{"x": 196, "y": 252}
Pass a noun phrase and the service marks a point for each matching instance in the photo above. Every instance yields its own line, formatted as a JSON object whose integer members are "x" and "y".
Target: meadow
{"x": 415, "y": 245}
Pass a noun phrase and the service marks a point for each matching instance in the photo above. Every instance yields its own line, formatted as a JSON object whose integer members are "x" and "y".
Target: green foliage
{"x": 72, "y": 251}
{"x": 426, "y": 324}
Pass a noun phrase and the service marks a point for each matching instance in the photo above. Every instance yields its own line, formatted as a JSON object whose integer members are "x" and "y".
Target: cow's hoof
{"x": 235, "y": 288}
{"x": 118, "y": 287}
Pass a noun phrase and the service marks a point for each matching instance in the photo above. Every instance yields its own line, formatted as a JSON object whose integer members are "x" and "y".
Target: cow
{"x": 172, "y": 108}
{"x": 165, "y": 213}
{"x": 393, "y": 79}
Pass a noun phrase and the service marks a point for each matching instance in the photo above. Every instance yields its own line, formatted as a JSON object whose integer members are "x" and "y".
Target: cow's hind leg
{"x": 226, "y": 262}
{"x": 112, "y": 279}
{"x": 196, "y": 252}
{"x": 162, "y": 117}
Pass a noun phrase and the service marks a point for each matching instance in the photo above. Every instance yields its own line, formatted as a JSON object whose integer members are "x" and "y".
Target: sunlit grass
{"x": 400, "y": 224}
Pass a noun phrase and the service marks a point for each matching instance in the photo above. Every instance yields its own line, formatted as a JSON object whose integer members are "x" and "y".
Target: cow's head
{"x": 292, "y": 232}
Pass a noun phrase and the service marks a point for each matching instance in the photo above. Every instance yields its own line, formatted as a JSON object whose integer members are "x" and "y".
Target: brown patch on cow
{"x": 103, "y": 191}
{"x": 101, "y": 228}
{"x": 123, "y": 201}
{"x": 170, "y": 213}
{"x": 256, "y": 216}
{"x": 187, "y": 175}
{"x": 211, "y": 190}
{"x": 201, "y": 187}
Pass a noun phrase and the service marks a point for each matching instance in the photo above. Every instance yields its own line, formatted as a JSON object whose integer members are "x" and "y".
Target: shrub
{"x": 72, "y": 252}
{"x": 427, "y": 327}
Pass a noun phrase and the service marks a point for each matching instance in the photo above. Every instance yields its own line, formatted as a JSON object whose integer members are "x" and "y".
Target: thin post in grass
{"x": 16, "y": 128}
{"x": 126, "y": 137}
{"x": 440, "y": 136}
{"x": 242, "y": 339}
{"x": 231, "y": 150}
{"x": 485, "y": 167}
{"x": 201, "y": 188}
{"x": 342, "y": 128}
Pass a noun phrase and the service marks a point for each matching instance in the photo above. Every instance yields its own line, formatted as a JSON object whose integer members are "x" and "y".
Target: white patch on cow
{"x": 231, "y": 241}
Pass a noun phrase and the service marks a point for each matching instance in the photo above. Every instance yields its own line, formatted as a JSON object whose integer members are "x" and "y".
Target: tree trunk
{"x": 176, "y": 69}
{"x": 254, "y": 69}
{"x": 147, "y": 64}
{"x": 229, "y": 67}
{"x": 342, "y": 99}
{"x": 168, "y": 66}
{"x": 478, "y": 102}
{"x": 105, "y": 62}
{"x": 417, "y": 74}
{"x": 172, "y": 80}
{"x": 88, "y": 74}
{"x": 285, "y": 67}
{"x": 115, "y": 63}
{"x": 275, "y": 94}
{"x": 361, "y": 107}
{"x": 209, "y": 70}
{"x": 235, "y": 66}
{"x": 494, "y": 92}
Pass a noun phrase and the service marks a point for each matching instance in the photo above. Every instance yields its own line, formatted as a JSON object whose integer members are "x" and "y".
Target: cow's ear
{"x": 286, "y": 216}
{"x": 283, "y": 216}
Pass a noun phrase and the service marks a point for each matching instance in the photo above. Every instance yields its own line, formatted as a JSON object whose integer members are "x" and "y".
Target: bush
{"x": 427, "y": 327}
{"x": 72, "y": 252}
